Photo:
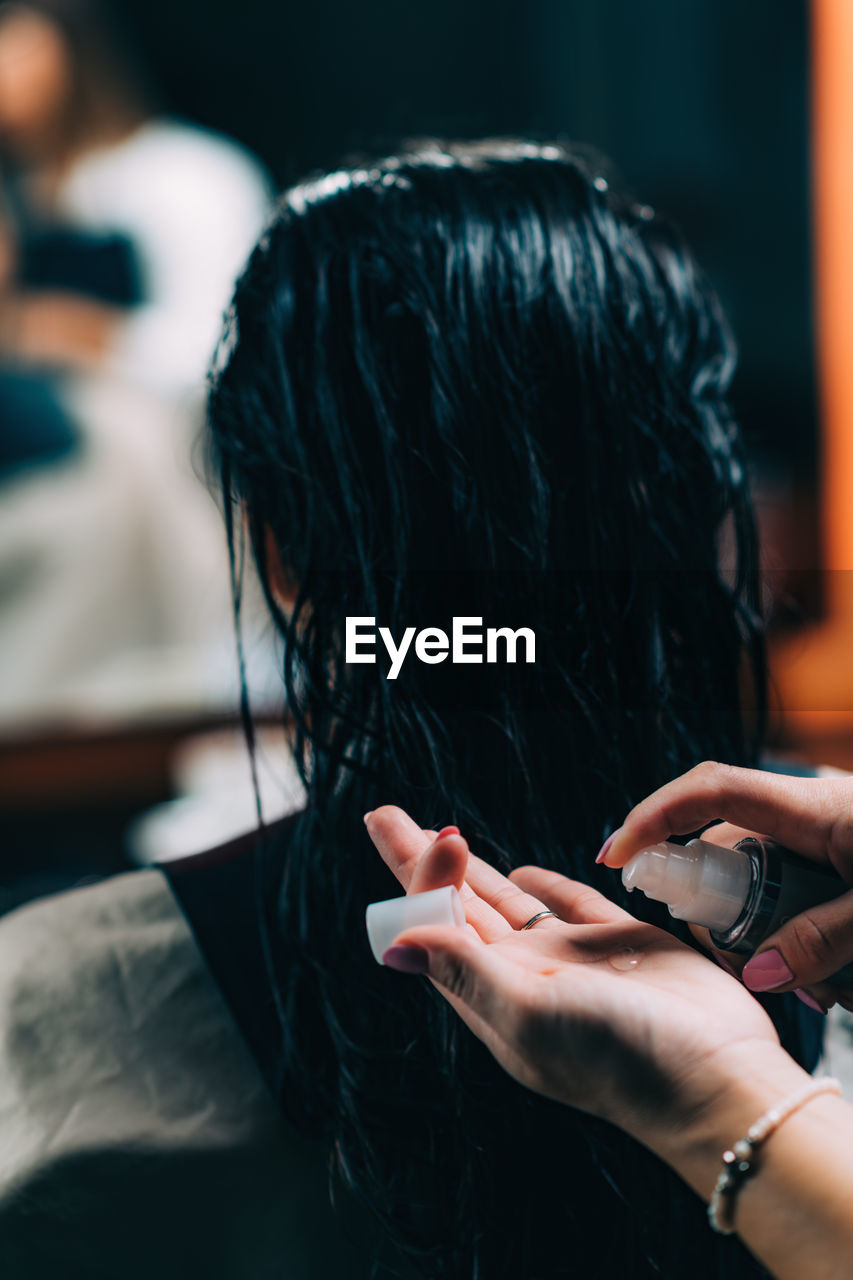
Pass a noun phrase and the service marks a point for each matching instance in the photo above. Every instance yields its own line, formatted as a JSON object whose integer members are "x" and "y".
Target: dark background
{"x": 701, "y": 106}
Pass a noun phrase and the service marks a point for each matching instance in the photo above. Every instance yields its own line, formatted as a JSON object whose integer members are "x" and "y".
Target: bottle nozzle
{"x": 700, "y": 882}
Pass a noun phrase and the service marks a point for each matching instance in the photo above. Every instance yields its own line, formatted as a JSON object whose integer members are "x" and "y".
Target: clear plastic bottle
{"x": 741, "y": 895}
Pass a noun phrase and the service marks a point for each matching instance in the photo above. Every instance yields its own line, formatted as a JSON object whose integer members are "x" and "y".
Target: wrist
{"x": 740, "y": 1083}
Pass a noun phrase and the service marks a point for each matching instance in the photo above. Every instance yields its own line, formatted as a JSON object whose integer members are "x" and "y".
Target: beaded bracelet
{"x": 738, "y": 1161}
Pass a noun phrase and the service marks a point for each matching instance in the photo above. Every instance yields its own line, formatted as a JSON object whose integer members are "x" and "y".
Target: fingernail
{"x": 448, "y": 831}
{"x": 766, "y": 972}
{"x": 809, "y": 1000}
{"x": 368, "y": 815}
{"x": 406, "y": 959}
{"x": 605, "y": 848}
{"x": 724, "y": 964}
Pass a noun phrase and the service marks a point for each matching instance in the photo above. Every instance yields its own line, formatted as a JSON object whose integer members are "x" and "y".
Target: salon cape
{"x": 137, "y": 1137}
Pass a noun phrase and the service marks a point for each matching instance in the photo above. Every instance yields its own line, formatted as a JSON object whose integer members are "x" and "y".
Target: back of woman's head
{"x": 474, "y": 380}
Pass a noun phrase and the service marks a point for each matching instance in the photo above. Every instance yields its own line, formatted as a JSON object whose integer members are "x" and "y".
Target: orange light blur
{"x": 813, "y": 671}
{"x": 832, "y": 99}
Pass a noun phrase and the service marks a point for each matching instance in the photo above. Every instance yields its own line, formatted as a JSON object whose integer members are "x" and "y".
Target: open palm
{"x": 591, "y": 1008}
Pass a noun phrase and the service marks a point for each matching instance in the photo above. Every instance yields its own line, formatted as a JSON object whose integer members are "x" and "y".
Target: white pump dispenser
{"x": 742, "y": 894}
{"x": 699, "y": 882}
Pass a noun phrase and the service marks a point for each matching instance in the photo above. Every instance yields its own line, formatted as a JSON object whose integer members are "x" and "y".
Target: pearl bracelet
{"x": 738, "y": 1162}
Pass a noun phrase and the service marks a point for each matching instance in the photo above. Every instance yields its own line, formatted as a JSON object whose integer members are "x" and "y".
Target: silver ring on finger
{"x": 540, "y": 915}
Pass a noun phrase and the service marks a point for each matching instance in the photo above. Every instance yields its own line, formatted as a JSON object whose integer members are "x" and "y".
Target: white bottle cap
{"x": 385, "y": 920}
{"x": 700, "y": 882}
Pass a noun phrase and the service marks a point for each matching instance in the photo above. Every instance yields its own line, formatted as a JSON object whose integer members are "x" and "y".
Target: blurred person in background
{"x": 465, "y": 379}
{"x": 34, "y": 428}
{"x": 123, "y": 233}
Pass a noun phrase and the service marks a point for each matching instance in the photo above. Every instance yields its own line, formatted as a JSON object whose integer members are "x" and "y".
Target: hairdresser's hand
{"x": 650, "y": 1043}
{"x": 812, "y": 816}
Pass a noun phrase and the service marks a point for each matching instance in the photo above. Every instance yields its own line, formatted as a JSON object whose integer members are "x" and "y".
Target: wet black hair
{"x": 477, "y": 379}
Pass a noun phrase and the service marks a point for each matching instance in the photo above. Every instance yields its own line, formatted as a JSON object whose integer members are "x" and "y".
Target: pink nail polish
{"x": 809, "y": 1000}
{"x": 767, "y": 971}
{"x": 448, "y": 831}
{"x": 605, "y": 848}
{"x": 406, "y": 959}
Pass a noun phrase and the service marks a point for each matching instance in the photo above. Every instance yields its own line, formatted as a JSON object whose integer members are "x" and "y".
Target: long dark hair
{"x": 474, "y": 379}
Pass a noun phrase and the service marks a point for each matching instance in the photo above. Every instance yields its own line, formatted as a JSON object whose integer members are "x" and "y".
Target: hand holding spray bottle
{"x": 741, "y": 895}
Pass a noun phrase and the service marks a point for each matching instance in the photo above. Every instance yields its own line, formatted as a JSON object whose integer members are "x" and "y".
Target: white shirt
{"x": 192, "y": 204}
{"x": 120, "y": 604}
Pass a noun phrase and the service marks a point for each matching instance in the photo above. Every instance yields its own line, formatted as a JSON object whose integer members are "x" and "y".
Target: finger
{"x": 443, "y": 862}
{"x": 726, "y": 834}
{"x": 812, "y": 815}
{"x": 809, "y": 948}
{"x": 505, "y": 896}
{"x": 574, "y": 903}
{"x": 398, "y": 838}
{"x": 474, "y": 974}
{"x": 402, "y": 844}
{"x": 820, "y": 996}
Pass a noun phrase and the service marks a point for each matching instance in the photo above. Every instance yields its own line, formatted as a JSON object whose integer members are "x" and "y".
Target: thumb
{"x": 810, "y": 947}
{"x": 444, "y": 862}
{"x": 469, "y": 970}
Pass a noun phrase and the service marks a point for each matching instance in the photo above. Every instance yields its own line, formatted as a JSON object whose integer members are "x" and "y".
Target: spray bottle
{"x": 741, "y": 895}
